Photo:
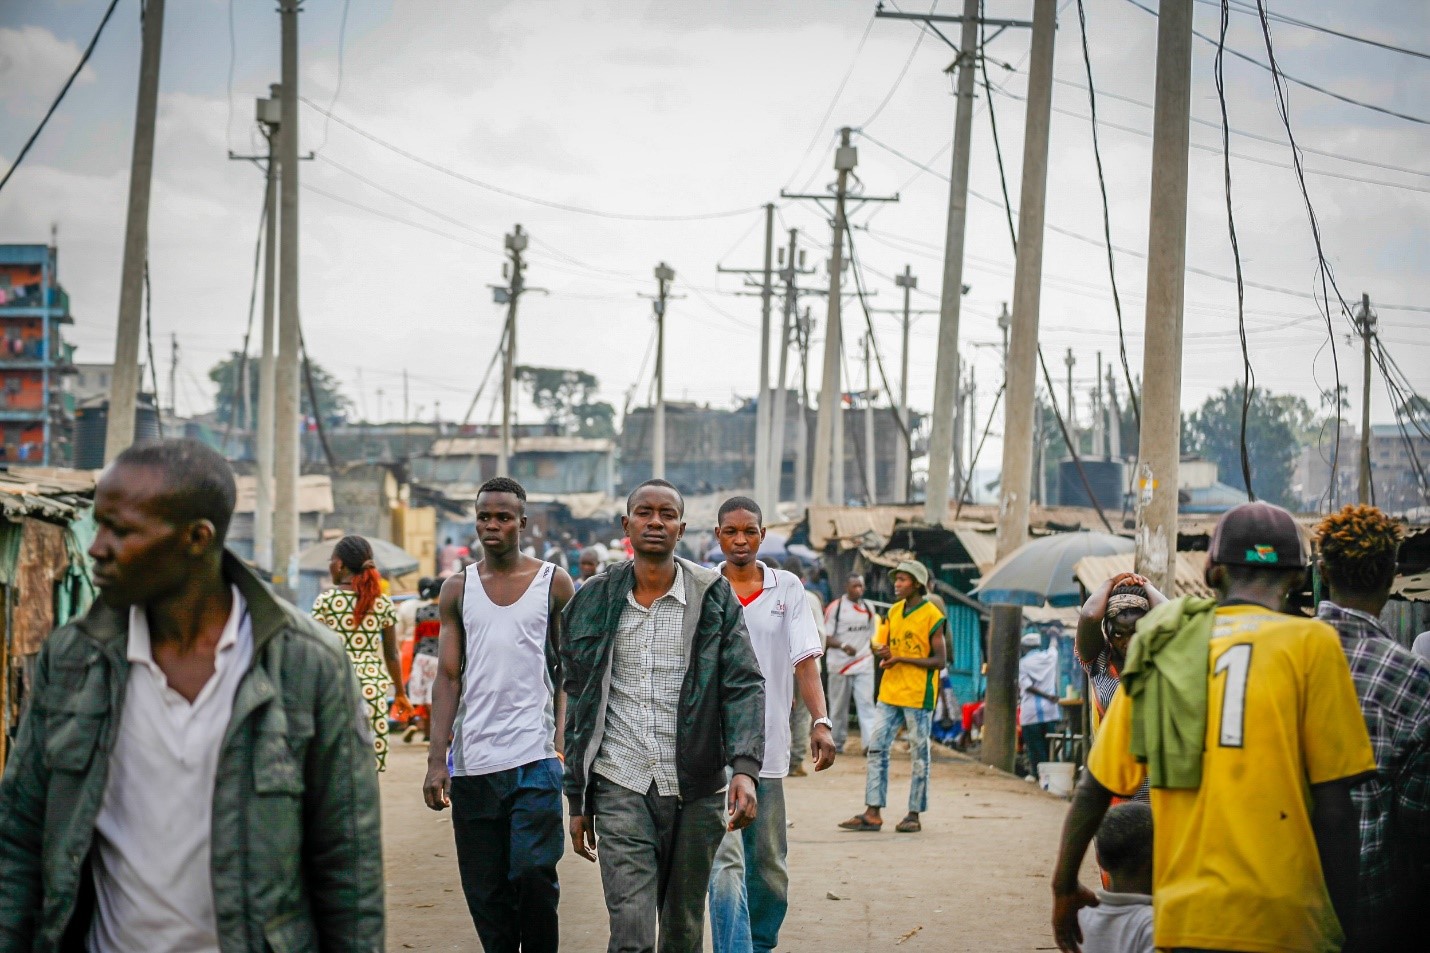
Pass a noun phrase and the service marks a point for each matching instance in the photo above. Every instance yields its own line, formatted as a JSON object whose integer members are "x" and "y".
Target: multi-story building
{"x": 36, "y": 410}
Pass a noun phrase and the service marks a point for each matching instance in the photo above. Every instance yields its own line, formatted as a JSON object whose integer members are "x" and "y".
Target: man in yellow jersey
{"x": 910, "y": 647}
{"x": 1262, "y": 854}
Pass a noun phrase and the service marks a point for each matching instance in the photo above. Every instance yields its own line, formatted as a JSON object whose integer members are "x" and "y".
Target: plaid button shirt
{"x": 1394, "y": 690}
{"x": 648, "y": 666}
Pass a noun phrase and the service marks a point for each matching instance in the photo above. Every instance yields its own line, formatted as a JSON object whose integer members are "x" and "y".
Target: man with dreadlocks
{"x": 1358, "y": 547}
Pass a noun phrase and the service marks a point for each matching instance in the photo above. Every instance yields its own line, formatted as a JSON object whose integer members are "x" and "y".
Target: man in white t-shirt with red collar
{"x": 749, "y": 884}
{"x": 849, "y": 625}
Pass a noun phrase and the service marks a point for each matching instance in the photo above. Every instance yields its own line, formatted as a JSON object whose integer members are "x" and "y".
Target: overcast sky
{"x": 650, "y": 109}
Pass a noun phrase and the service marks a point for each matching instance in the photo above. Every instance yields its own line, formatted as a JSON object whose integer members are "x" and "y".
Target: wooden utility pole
{"x": 1365, "y": 324}
{"x": 516, "y": 274}
{"x": 287, "y": 414}
{"x": 664, "y": 275}
{"x": 124, "y": 389}
{"x": 270, "y": 116}
{"x": 1000, "y": 728}
{"x": 1159, "y": 445}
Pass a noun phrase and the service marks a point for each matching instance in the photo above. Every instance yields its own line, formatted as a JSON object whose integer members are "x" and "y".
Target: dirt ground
{"x": 975, "y": 879}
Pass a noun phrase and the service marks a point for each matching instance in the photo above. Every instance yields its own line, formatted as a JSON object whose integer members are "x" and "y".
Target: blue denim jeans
{"x": 876, "y": 782}
{"x": 749, "y": 884}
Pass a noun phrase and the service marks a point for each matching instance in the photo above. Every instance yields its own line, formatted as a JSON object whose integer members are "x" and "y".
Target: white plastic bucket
{"x": 1056, "y": 777}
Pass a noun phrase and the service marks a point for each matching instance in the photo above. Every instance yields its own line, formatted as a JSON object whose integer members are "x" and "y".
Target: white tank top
{"x": 506, "y": 716}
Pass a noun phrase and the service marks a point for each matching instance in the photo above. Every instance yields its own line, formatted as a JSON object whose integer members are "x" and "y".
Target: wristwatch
{"x": 823, "y": 721}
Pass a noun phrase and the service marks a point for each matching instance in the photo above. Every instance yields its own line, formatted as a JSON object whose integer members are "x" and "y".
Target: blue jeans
{"x": 509, "y": 837}
{"x": 749, "y": 884}
{"x": 876, "y": 782}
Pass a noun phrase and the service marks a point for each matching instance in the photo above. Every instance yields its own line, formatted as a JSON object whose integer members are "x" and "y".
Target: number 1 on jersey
{"x": 1235, "y": 662}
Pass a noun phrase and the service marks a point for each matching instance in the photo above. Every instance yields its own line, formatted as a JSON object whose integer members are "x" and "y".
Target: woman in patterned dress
{"x": 366, "y": 619}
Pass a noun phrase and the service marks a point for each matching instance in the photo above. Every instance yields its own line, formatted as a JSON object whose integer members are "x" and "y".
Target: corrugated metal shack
{"x": 46, "y": 526}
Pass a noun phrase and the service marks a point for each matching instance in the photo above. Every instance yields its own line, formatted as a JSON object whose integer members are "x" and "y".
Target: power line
{"x": 520, "y": 196}
{"x": 1106, "y": 217}
{"x": 240, "y": 383}
{"x": 84, "y": 58}
{"x": 814, "y": 140}
{"x": 898, "y": 80}
{"x": 1249, "y": 384}
{"x": 338, "y": 87}
{"x": 1275, "y": 70}
{"x": 1283, "y": 18}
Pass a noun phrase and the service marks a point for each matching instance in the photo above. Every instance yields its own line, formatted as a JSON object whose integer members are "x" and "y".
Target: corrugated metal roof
{"x": 1414, "y": 588}
{"x": 45, "y": 493}
{"x": 491, "y": 446}
{"x": 1092, "y": 571}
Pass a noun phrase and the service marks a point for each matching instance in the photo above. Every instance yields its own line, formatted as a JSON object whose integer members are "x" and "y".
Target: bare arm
{"x": 1089, "y": 804}
{"x": 1336, "y": 825}
{"x": 1090, "y": 640}
{"x": 394, "y": 665}
{"x": 562, "y": 589}
{"x": 821, "y": 740}
{"x": 444, "y": 691}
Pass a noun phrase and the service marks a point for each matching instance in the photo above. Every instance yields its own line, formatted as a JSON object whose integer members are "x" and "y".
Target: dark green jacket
{"x": 722, "y": 701}
{"x": 297, "y": 849}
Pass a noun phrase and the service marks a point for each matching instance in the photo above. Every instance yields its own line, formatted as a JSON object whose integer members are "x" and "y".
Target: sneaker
{"x": 797, "y": 771}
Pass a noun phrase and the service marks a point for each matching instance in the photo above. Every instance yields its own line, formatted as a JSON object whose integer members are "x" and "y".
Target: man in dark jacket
{"x": 664, "y": 695}
{"x": 191, "y": 772}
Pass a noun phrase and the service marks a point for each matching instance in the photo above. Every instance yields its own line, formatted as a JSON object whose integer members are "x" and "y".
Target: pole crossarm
{"x": 847, "y": 198}
{"x": 949, "y": 18}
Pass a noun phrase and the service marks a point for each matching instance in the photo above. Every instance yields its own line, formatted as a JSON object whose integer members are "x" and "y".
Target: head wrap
{"x": 1126, "y": 600}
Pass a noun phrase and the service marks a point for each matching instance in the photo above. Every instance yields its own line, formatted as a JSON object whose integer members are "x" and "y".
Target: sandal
{"x": 909, "y": 825}
{"x": 859, "y": 822}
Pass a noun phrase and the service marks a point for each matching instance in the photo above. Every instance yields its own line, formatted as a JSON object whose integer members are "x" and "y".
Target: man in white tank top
{"x": 497, "y": 725}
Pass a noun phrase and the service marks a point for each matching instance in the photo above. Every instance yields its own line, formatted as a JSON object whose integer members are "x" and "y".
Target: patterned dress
{"x": 334, "y": 609}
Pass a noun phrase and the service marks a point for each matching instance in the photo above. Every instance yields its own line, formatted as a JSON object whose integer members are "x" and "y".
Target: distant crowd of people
{"x": 195, "y": 768}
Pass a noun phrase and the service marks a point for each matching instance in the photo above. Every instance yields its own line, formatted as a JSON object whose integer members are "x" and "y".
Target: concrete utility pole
{"x": 124, "y": 389}
{"x": 1000, "y": 729}
{"x": 903, "y": 459}
{"x": 270, "y": 116}
{"x": 764, "y": 495}
{"x": 828, "y": 479}
{"x": 664, "y": 275}
{"x": 942, "y": 440}
{"x": 801, "y": 456}
{"x": 1114, "y": 418}
{"x": 871, "y": 472}
{"x": 791, "y": 267}
{"x": 287, "y": 413}
{"x": 1159, "y": 446}
{"x": 516, "y": 274}
{"x": 1365, "y": 324}
{"x": 1070, "y": 362}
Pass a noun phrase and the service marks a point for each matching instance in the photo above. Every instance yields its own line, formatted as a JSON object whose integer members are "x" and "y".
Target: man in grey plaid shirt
{"x": 1358, "y": 548}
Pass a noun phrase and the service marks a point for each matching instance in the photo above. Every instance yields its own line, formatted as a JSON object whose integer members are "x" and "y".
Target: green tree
{"x": 331, "y": 400}
{"x": 567, "y": 398}
{"x": 1275, "y": 427}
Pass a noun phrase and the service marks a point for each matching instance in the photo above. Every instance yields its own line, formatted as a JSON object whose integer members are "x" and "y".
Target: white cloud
{"x": 34, "y": 65}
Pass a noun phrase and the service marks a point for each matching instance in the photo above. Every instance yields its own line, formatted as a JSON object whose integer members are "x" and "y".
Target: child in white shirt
{"x": 1122, "y": 920}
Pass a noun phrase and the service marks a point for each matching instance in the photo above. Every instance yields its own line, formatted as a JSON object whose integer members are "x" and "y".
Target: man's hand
{"x": 1066, "y": 931}
{"x": 742, "y": 801}
{"x": 402, "y": 708}
{"x": 437, "y": 786}
{"x": 583, "y": 837}
{"x": 821, "y": 746}
{"x": 850, "y": 649}
{"x": 882, "y": 651}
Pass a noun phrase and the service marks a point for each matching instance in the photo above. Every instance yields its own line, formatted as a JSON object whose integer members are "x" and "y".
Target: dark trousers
{"x": 655, "y": 854}
{"x": 509, "y": 837}
{"x": 1035, "y": 743}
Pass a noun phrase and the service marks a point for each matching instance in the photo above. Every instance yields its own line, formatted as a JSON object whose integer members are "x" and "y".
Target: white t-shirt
{"x": 853, "y": 624}
{"x": 784, "y": 633}
{"x": 1038, "y": 669}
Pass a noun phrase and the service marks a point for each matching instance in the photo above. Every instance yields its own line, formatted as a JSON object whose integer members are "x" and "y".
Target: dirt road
{"x": 975, "y": 879}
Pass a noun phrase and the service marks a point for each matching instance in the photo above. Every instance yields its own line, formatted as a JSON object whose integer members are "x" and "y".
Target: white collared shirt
{"x": 151, "y": 859}
{"x": 784, "y": 633}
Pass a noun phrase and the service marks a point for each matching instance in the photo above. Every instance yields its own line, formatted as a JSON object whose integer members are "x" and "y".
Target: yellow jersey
{"x": 1235, "y": 864}
{"x": 909, "y": 686}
